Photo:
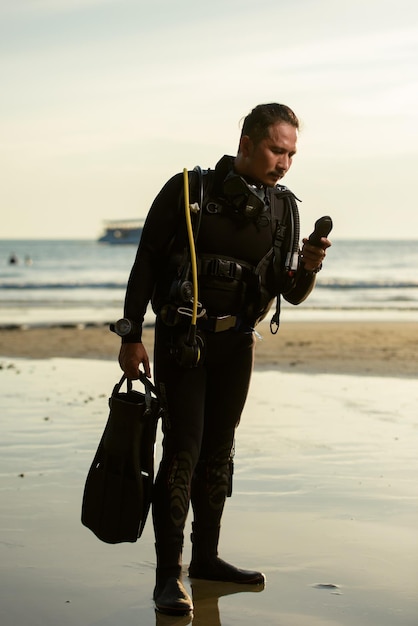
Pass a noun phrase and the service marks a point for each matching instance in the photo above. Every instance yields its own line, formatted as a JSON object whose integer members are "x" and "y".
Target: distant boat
{"x": 122, "y": 231}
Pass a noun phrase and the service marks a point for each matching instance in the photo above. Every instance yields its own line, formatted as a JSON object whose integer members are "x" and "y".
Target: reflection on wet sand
{"x": 205, "y": 594}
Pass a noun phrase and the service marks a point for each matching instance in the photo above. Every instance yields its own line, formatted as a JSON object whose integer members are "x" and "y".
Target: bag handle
{"x": 149, "y": 387}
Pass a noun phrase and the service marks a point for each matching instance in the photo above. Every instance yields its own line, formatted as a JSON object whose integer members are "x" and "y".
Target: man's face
{"x": 269, "y": 160}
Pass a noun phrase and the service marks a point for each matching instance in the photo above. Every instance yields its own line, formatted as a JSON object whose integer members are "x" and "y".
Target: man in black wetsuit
{"x": 245, "y": 258}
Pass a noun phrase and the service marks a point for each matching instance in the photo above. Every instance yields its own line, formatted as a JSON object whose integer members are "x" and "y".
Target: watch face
{"x": 123, "y": 327}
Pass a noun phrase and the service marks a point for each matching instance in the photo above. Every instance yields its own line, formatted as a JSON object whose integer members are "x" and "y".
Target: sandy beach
{"x": 376, "y": 348}
{"x": 325, "y": 495}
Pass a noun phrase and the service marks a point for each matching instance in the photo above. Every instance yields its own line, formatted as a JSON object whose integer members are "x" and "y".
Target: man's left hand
{"x": 313, "y": 256}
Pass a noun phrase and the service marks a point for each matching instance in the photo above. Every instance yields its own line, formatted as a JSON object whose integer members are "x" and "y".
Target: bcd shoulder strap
{"x": 284, "y": 214}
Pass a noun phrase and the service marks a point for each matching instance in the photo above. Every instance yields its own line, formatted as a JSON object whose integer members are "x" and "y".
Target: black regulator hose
{"x": 293, "y": 255}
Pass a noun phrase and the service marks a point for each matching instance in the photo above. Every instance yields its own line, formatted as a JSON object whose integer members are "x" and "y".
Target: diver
{"x": 247, "y": 256}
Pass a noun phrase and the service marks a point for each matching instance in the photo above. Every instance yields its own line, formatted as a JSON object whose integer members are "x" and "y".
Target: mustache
{"x": 278, "y": 173}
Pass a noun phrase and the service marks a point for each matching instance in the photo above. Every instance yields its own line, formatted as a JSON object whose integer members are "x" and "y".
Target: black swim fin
{"x": 118, "y": 488}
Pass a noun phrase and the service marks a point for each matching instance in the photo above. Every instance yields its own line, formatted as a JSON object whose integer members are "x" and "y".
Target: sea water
{"x": 81, "y": 281}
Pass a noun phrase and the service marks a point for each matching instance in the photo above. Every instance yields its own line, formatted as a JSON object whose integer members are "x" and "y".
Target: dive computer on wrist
{"x": 123, "y": 327}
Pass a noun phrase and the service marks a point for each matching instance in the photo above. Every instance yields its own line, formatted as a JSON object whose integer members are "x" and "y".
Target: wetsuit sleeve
{"x": 159, "y": 230}
{"x": 303, "y": 284}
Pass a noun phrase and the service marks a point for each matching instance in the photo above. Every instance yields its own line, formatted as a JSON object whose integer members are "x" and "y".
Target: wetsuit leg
{"x": 229, "y": 365}
{"x": 183, "y": 390}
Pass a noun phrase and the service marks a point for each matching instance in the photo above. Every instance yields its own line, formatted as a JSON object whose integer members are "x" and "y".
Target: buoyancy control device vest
{"x": 247, "y": 242}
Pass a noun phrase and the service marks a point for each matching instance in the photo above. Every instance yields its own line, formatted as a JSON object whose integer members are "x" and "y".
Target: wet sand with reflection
{"x": 325, "y": 502}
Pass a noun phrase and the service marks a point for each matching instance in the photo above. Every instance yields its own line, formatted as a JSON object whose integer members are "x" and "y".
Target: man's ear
{"x": 245, "y": 145}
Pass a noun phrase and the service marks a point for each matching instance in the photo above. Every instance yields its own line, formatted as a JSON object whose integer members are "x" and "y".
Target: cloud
{"x": 31, "y": 7}
{"x": 113, "y": 95}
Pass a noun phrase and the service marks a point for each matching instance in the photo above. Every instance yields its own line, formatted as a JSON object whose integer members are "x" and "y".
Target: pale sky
{"x": 103, "y": 100}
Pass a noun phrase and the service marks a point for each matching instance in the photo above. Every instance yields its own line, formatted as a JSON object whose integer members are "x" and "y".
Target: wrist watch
{"x": 123, "y": 327}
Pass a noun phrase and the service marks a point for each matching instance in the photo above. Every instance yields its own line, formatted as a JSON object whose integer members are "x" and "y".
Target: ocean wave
{"x": 365, "y": 284}
{"x": 62, "y": 285}
{"x": 322, "y": 284}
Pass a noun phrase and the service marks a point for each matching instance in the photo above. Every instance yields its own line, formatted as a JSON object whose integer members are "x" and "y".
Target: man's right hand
{"x": 131, "y": 356}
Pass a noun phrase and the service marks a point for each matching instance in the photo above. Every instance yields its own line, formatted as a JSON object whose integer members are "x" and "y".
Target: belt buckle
{"x": 225, "y": 323}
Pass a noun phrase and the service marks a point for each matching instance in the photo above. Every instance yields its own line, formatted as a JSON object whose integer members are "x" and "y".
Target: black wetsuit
{"x": 204, "y": 402}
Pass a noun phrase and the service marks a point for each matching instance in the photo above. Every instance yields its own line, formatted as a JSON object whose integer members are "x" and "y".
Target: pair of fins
{"x": 118, "y": 488}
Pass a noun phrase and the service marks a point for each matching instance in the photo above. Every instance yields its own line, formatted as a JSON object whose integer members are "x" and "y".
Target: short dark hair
{"x": 256, "y": 123}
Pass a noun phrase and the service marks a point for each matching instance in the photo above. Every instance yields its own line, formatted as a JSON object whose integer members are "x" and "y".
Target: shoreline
{"x": 374, "y": 348}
